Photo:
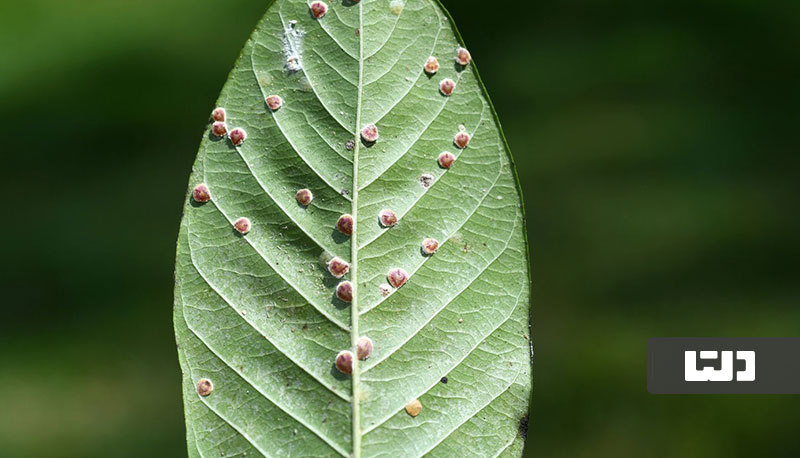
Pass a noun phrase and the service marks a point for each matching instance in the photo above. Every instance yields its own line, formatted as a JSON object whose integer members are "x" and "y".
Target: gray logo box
{"x": 776, "y": 365}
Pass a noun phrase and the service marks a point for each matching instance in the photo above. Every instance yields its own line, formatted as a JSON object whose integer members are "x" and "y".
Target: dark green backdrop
{"x": 657, "y": 146}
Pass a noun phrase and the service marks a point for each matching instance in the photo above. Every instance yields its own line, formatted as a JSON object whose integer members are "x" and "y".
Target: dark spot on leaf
{"x": 523, "y": 426}
{"x": 444, "y": 380}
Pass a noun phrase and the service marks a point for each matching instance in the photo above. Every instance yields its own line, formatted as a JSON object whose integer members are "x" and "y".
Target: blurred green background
{"x": 658, "y": 150}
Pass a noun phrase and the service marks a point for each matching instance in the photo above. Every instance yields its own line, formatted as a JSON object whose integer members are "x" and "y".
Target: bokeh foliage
{"x": 655, "y": 142}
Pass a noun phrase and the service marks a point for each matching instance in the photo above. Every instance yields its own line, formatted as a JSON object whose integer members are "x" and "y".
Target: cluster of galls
{"x": 344, "y": 360}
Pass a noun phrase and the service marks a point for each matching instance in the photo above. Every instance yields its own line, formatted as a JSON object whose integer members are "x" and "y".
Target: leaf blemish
{"x": 396, "y": 6}
{"x": 344, "y": 362}
{"x": 219, "y": 129}
{"x": 447, "y": 86}
{"x": 292, "y": 46}
{"x": 237, "y": 136}
{"x": 344, "y": 291}
{"x": 364, "y": 348}
{"x": 446, "y": 159}
{"x": 338, "y": 267}
{"x": 370, "y": 133}
{"x": 387, "y": 218}
{"x": 345, "y": 224}
{"x": 200, "y": 193}
{"x": 204, "y": 387}
{"x": 218, "y": 114}
{"x": 242, "y": 225}
{"x": 318, "y": 9}
{"x": 304, "y": 197}
{"x": 426, "y": 180}
{"x": 461, "y": 140}
{"x": 432, "y": 65}
{"x": 274, "y": 102}
{"x": 349, "y": 145}
{"x": 397, "y": 277}
{"x": 414, "y": 407}
{"x": 463, "y": 57}
{"x": 429, "y": 246}
{"x": 384, "y": 289}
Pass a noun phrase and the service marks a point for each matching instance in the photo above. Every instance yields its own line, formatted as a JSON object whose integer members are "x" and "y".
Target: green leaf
{"x": 257, "y": 314}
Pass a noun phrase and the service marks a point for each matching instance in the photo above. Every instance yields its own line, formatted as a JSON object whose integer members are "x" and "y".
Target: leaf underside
{"x": 257, "y": 314}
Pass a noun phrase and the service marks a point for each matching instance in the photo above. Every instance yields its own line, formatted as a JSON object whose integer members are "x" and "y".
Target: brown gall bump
{"x": 397, "y": 277}
{"x": 274, "y": 102}
{"x": 414, "y": 407}
{"x": 345, "y": 224}
{"x": 429, "y": 246}
{"x": 204, "y": 387}
{"x": 237, "y": 136}
{"x": 446, "y": 159}
{"x": 344, "y": 362}
{"x": 344, "y": 291}
{"x": 242, "y": 225}
{"x": 447, "y": 86}
{"x": 304, "y": 197}
{"x": 318, "y": 9}
{"x": 463, "y": 57}
{"x": 461, "y": 140}
{"x": 218, "y": 114}
{"x": 338, "y": 267}
{"x": 364, "y": 348}
{"x": 387, "y": 218}
{"x": 219, "y": 129}
{"x": 431, "y": 65}
{"x": 200, "y": 193}
{"x": 370, "y": 133}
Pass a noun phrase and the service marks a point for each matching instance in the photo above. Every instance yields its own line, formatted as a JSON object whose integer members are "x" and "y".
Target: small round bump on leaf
{"x": 364, "y": 348}
{"x": 370, "y": 133}
{"x": 463, "y": 57}
{"x": 242, "y": 225}
{"x": 349, "y": 145}
{"x": 432, "y": 65}
{"x": 447, "y": 86}
{"x": 345, "y": 224}
{"x": 387, "y": 218}
{"x": 461, "y": 140}
{"x": 219, "y": 129}
{"x": 274, "y": 102}
{"x": 344, "y": 291}
{"x": 304, "y": 197}
{"x": 344, "y": 362}
{"x": 384, "y": 289}
{"x": 397, "y": 277}
{"x": 200, "y": 193}
{"x": 338, "y": 267}
{"x": 396, "y": 6}
{"x": 429, "y": 246}
{"x": 204, "y": 387}
{"x": 318, "y": 9}
{"x": 237, "y": 136}
{"x": 446, "y": 159}
{"x": 414, "y": 407}
{"x": 218, "y": 114}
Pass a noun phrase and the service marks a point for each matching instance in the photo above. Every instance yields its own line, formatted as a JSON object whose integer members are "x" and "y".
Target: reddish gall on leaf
{"x": 338, "y": 267}
{"x": 344, "y": 291}
{"x": 447, "y": 86}
{"x": 344, "y": 362}
{"x": 431, "y": 65}
{"x": 318, "y": 9}
{"x": 461, "y": 140}
{"x": 242, "y": 225}
{"x": 387, "y": 218}
{"x": 219, "y": 129}
{"x": 446, "y": 159}
{"x": 370, "y": 133}
{"x": 397, "y": 277}
{"x": 218, "y": 114}
{"x": 237, "y": 136}
{"x": 200, "y": 193}
{"x": 304, "y": 197}
{"x": 463, "y": 57}
{"x": 364, "y": 348}
{"x": 429, "y": 246}
{"x": 274, "y": 102}
{"x": 204, "y": 387}
{"x": 345, "y": 224}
